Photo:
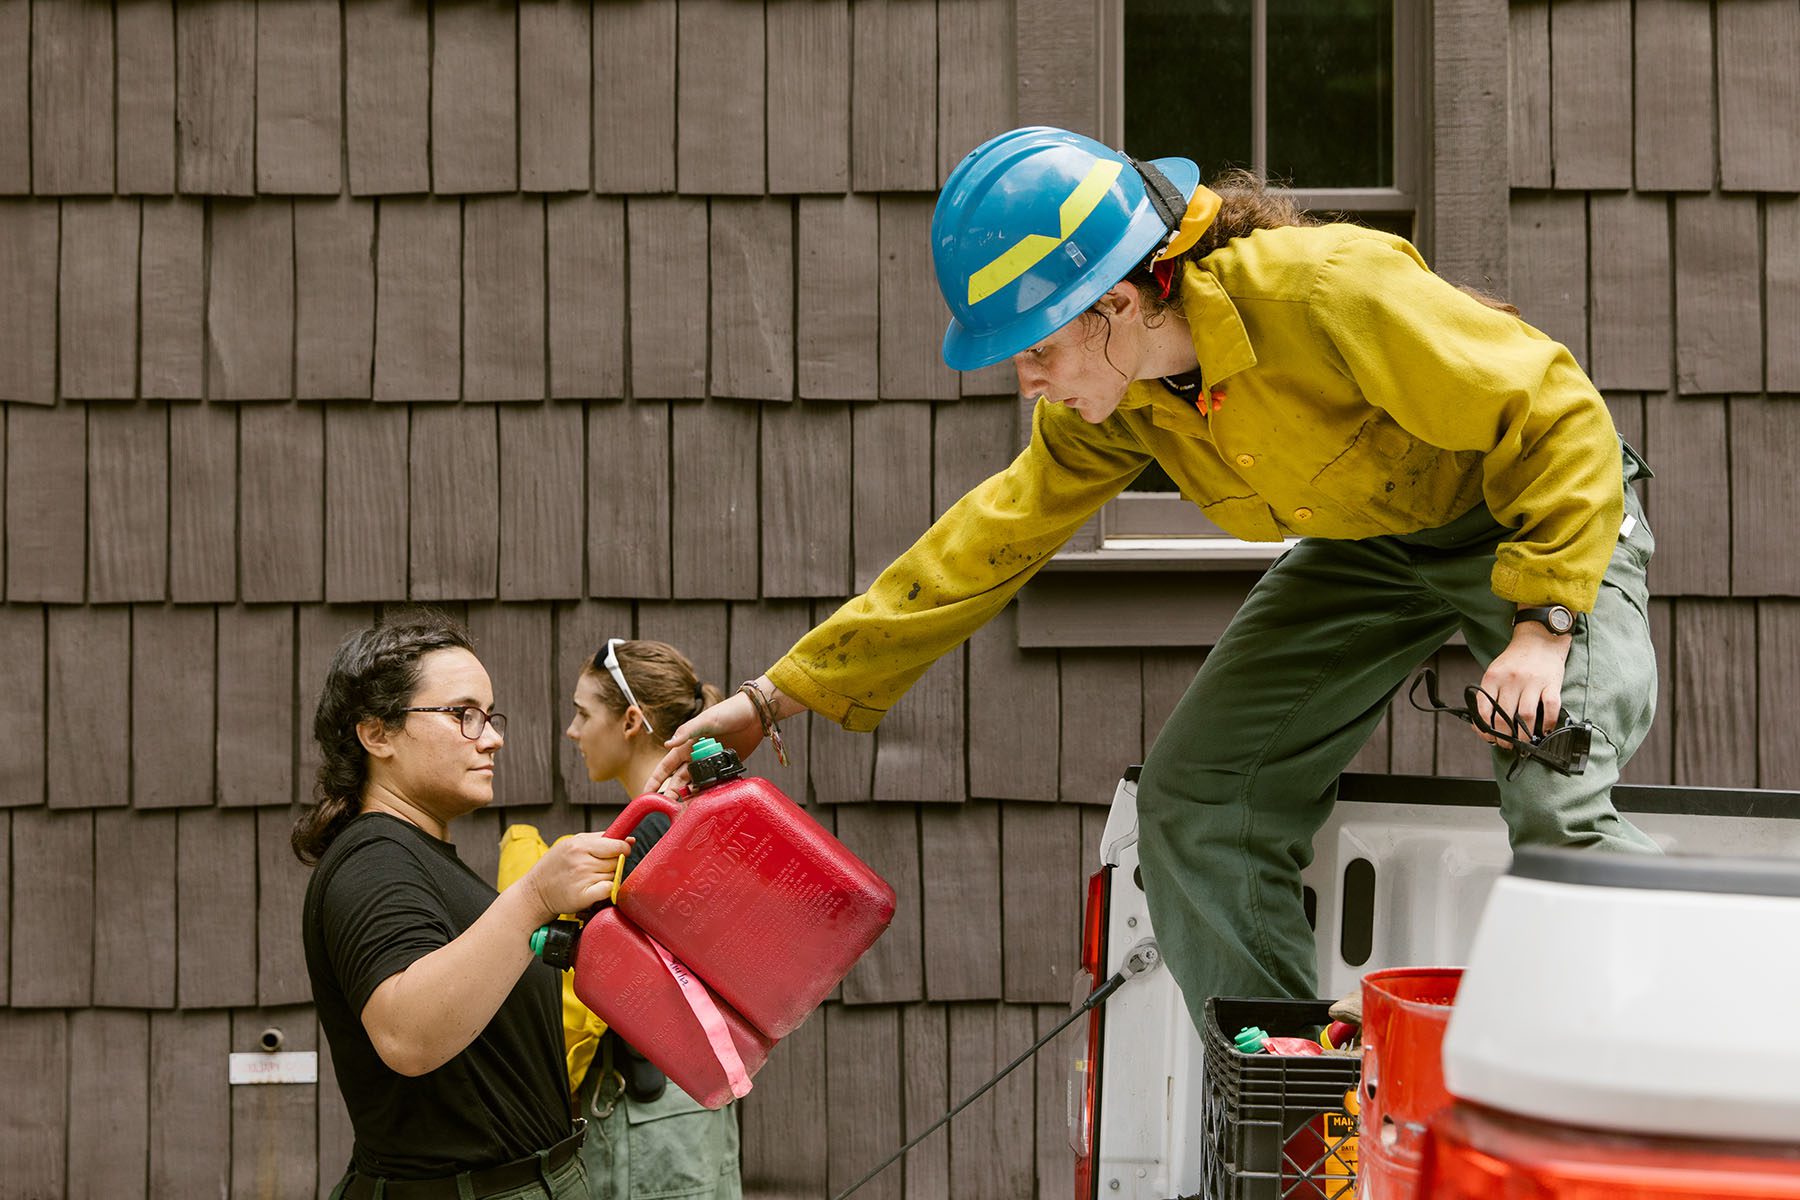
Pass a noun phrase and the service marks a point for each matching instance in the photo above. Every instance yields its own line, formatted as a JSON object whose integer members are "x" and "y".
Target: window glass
{"x": 1331, "y": 93}
{"x": 1187, "y": 81}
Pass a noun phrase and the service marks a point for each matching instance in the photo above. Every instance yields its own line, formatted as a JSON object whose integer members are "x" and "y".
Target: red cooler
{"x": 768, "y": 908}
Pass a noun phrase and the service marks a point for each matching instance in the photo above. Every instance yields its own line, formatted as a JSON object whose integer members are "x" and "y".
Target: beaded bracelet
{"x": 765, "y": 712}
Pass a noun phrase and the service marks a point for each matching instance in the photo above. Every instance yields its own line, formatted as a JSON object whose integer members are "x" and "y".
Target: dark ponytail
{"x": 373, "y": 675}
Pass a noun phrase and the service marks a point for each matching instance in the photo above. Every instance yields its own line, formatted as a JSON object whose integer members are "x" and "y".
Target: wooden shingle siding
{"x": 128, "y": 502}
{"x": 46, "y": 505}
{"x": 1468, "y": 174}
{"x": 298, "y": 127}
{"x": 925, "y": 1045}
{"x": 1759, "y": 96}
{"x": 281, "y": 503}
{"x": 540, "y": 501}
{"x": 713, "y": 508}
{"x": 281, "y": 881}
{"x": 890, "y": 484}
{"x": 1102, "y": 722}
{"x": 1673, "y": 96}
{"x": 1040, "y": 900}
{"x": 971, "y": 441}
{"x": 215, "y": 905}
{"x": 28, "y": 260}
{"x": 1459, "y": 751}
{"x": 862, "y": 1080}
{"x": 1014, "y": 716}
{"x": 474, "y": 93}
{"x": 172, "y": 693}
{"x": 579, "y": 629}
{"x": 1632, "y": 333}
{"x": 203, "y": 465}
{"x": 555, "y": 88}
{"x": 700, "y": 629}
{"x": 366, "y": 513}
{"x": 273, "y": 1128}
{"x": 1781, "y": 282}
{"x": 912, "y": 310}
{"x": 334, "y": 298}
{"x": 145, "y": 47}
{"x": 991, "y": 1150}
{"x": 387, "y": 89}
{"x": 253, "y": 758}
{"x": 1718, "y": 305}
{"x": 52, "y": 909}
{"x": 1590, "y": 90}
{"x": 886, "y": 836}
{"x": 1055, "y": 1171}
{"x": 109, "y": 1141}
{"x": 628, "y": 499}
{"x": 805, "y": 525}
{"x": 134, "y": 897}
{"x": 719, "y": 140}
{"x": 667, "y": 239}
{"x": 1690, "y": 501}
{"x": 975, "y": 86}
{"x": 1778, "y": 674}
{"x": 171, "y": 308}
{"x": 784, "y": 1133}
{"x": 916, "y": 748}
{"x": 15, "y": 97}
{"x": 1057, "y": 68}
{"x": 88, "y": 694}
{"x": 1765, "y": 445}
{"x": 190, "y": 1110}
{"x": 1167, "y": 677}
{"x": 759, "y": 634}
{"x": 894, "y": 64}
{"x": 22, "y": 646}
{"x": 98, "y": 303}
{"x": 318, "y": 631}
{"x": 634, "y": 96}
{"x": 841, "y": 766}
{"x": 503, "y": 298}
{"x": 809, "y": 95}
{"x": 455, "y": 522}
{"x": 71, "y": 97}
{"x": 838, "y": 305}
{"x": 215, "y": 96}
{"x": 336, "y": 1139}
{"x": 418, "y": 310}
{"x": 250, "y": 301}
{"x": 515, "y": 640}
{"x": 34, "y": 1058}
{"x": 1715, "y": 656}
{"x": 1655, "y": 758}
{"x": 1547, "y": 246}
{"x": 586, "y": 237}
{"x": 753, "y": 298}
{"x": 957, "y": 849}
{"x": 1528, "y": 120}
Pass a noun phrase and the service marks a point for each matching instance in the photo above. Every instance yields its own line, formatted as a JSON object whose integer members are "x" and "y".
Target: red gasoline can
{"x": 620, "y": 975}
{"x": 768, "y": 908}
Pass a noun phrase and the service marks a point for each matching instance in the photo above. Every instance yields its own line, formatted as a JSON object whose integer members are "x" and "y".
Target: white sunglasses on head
{"x": 611, "y": 662}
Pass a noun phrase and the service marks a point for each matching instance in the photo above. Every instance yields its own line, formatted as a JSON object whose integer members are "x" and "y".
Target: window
{"x": 1324, "y": 96}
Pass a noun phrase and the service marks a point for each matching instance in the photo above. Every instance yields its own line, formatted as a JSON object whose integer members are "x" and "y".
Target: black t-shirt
{"x": 384, "y": 895}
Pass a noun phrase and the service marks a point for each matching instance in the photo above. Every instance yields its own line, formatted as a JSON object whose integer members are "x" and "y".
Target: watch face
{"x": 1561, "y": 619}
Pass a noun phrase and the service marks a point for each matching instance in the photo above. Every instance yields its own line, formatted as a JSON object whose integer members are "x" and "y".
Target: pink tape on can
{"x": 711, "y": 1020}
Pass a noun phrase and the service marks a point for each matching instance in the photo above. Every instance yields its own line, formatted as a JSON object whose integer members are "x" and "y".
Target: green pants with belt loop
{"x": 1245, "y": 771}
{"x": 669, "y": 1148}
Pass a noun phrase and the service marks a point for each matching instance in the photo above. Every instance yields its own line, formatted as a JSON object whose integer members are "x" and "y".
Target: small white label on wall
{"x": 291, "y": 1066}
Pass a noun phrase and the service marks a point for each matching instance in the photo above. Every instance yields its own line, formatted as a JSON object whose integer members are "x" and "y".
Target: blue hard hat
{"x": 1035, "y": 225}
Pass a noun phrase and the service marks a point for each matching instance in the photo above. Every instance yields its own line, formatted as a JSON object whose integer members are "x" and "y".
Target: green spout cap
{"x": 705, "y": 748}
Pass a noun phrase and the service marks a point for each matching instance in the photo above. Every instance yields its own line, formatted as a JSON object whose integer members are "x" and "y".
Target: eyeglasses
{"x": 610, "y": 660}
{"x": 473, "y": 720}
{"x": 1563, "y": 749}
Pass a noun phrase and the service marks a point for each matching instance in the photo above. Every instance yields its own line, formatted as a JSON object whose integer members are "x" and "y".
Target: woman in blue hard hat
{"x": 1445, "y": 466}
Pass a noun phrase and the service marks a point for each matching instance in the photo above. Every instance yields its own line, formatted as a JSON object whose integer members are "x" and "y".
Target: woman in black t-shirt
{"x": 444, "y": 1029}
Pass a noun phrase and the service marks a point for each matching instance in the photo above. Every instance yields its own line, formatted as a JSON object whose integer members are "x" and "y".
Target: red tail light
{"x": 1084, "y": 1079}
{"x": 1477, "y": 1154}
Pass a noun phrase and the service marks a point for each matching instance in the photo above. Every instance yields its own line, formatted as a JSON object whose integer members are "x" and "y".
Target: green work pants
{"x": 662, "y": 1149}
{"x": 1245, "y": 772}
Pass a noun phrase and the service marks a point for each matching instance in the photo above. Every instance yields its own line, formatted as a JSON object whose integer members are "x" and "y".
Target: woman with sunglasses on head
{"x": 646, "y": 1136}
{"x": 443, "y": 1027}
{"x": 1440, "y": 465}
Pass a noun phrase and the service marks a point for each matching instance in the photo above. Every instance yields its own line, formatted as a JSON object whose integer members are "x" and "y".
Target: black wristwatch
{"x": 1554, "y": 617}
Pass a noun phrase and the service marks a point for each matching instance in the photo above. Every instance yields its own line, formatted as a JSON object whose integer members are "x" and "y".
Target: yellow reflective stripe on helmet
{"x": 1031, "y": 249}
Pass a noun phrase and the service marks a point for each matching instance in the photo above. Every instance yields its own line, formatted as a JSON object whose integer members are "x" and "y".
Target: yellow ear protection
{"x": 1195, "y": 222}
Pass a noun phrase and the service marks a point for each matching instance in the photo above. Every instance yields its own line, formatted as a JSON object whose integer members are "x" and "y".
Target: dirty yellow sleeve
{"x": 1465, "y": 377}
{"x": 963, "y": 570}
